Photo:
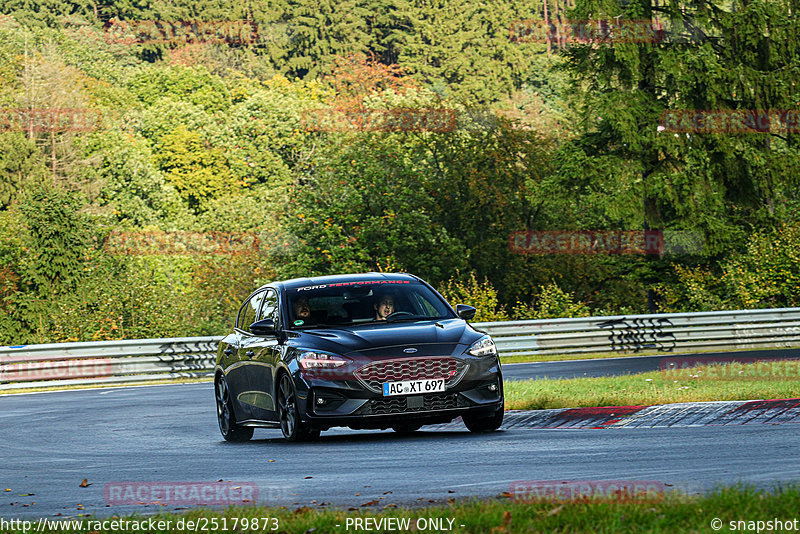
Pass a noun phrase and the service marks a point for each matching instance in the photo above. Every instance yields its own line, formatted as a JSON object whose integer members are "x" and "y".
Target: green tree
{"x": 715, "y": 55}
{"x": 321, "y": 30}
{"x": 198, "y": 172}
{"x": 134, "y": 191}
{"x": 21, "y": 165}
{"x": 463, "y": 48}
{"x": 57, "y": 241}
{"x": 47, "y": 12}
{"x": 190, "y": 84}
{"x": 362, "y": 208}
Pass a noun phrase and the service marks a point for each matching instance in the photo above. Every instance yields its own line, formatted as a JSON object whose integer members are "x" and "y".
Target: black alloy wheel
{"x": 484, "y": 424}
{"x": 291, "y": 426}
{"x": 225, "y": 416}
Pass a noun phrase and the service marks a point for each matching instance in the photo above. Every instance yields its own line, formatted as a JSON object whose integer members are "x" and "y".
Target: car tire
{"x": 288, "y": 415}
{"x": 226, "y": 416}
{"x": 484, "y": 424}
{"x": 406, "y": 429}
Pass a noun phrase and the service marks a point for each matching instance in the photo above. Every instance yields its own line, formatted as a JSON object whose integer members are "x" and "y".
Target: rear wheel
{"x": 225, "y": 416}
{"x": 484, "y": 423}
{"x": 289, "y": 416}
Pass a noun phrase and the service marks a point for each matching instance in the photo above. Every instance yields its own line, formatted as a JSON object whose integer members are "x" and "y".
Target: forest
{"x": 161, "y": 159}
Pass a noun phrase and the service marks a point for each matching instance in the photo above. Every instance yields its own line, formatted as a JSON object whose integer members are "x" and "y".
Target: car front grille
{"x": 398, "y": 405}
{"x": 373, "y": 375}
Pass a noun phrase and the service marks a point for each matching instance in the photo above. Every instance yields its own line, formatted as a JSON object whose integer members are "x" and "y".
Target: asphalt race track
{"x": 167, "y": 434}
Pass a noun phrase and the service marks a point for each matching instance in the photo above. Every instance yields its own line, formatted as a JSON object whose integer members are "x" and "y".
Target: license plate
{"x": 411, "y": 387}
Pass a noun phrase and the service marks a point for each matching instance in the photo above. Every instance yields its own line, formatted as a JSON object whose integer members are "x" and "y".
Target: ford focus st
{"x": 367, "y": 351}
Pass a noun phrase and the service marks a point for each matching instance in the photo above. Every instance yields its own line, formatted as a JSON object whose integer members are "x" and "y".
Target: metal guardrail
{"x": 131, "y": 361}
{"x": 666, "y": 332}
{"x": 106, "y": 362}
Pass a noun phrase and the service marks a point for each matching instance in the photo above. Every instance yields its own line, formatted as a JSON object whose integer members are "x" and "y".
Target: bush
{"x": 552, "y": 302}
{"x": 766, "y": 275}
{"x": 480, "y": 295}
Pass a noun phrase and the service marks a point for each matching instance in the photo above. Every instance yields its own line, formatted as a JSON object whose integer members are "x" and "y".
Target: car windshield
{"x": 349, "y": 303}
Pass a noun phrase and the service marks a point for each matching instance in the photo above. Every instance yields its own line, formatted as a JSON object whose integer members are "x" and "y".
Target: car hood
{"x": 390, "y": 340}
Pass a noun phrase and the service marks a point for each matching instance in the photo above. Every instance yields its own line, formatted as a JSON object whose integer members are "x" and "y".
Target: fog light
{"x": 320, "y": 401}
{"x": 493, "y": 387}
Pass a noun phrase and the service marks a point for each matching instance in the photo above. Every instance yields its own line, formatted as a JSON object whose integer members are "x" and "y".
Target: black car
{"x": 366, "y": 351}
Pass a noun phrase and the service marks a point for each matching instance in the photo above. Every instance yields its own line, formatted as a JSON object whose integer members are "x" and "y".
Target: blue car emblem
{"x": 410, "y": 350}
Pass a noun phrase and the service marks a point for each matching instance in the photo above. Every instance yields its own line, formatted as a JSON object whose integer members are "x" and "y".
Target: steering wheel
{"x": 397, "y": 314}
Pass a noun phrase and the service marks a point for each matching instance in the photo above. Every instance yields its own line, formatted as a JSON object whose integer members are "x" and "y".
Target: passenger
{"x": 384, "y": 307}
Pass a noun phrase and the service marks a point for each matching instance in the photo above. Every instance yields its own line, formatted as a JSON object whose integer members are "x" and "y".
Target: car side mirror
{"x": 465, "y": 312}
{"x": 264, "y": 327}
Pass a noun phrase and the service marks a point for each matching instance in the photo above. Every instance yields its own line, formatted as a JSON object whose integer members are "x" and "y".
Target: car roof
{"x": 339, "y": 278}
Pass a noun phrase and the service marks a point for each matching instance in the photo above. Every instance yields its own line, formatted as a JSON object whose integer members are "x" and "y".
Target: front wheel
{"x": 289, "y": 416}
{"x": 225, "y": 416}
{"x": 484, "y": 424}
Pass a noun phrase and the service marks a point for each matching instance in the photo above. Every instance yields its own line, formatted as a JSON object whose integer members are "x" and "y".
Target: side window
{"x": 247, "y": 314}
{"x": 270, "y": 308}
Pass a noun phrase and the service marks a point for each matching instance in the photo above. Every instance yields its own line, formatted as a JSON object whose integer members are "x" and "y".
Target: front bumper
{"x": 325, "y": 404}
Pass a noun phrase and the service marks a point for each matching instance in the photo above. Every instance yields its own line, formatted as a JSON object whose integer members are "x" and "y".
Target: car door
{"x": 238, "y": 374}
{"x": 263, "y": 361}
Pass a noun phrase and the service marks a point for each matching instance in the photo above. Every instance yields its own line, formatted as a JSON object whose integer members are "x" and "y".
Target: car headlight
{"x": 320, "y": 360}
{"x": 483, "y": 347}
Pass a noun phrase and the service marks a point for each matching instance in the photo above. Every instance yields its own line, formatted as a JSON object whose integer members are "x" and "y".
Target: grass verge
{"x": 761, "y": 380}
{"x": 668, "y": 513}
{"x": 620, "y": 354}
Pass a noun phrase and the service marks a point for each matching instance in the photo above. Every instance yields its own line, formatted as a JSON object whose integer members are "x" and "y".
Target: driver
{"x": 384, "y": 307}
